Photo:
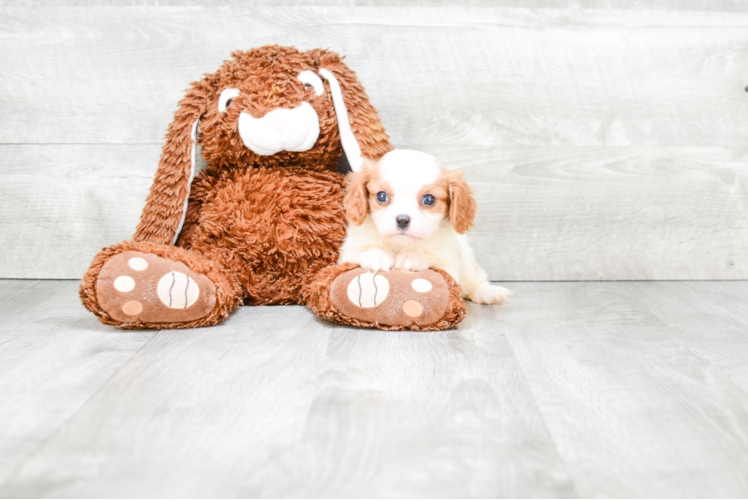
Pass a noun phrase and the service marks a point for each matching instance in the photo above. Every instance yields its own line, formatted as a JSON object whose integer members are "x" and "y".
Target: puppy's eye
{"x": 307, "y": 87}
{"x": 428, "y": 200}
{"x": 229, "y": 102}
{"x": 382, "y": 197}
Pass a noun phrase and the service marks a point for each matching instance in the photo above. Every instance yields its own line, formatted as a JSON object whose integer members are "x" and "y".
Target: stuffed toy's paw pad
{"x": 137, "y": 286}
{"x": 392, "y": 298}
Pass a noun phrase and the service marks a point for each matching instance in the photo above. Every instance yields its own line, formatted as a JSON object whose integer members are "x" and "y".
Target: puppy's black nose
{"x": 402, "y": 221}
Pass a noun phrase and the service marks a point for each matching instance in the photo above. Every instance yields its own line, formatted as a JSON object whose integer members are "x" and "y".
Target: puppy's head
{"x": 409, "y": 195}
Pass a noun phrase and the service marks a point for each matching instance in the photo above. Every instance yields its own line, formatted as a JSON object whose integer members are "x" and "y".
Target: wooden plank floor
{"x": 617, "y": 389}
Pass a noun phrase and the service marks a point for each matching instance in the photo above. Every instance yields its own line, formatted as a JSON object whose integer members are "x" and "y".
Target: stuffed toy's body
{"x": 262, "y": 224}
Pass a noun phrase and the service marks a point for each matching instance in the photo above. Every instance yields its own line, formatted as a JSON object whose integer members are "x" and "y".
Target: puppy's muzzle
{"x": 403, "y": 221}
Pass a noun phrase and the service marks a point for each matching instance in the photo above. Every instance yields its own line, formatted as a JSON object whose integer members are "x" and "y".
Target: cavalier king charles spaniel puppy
{"x": 407, "y": 212}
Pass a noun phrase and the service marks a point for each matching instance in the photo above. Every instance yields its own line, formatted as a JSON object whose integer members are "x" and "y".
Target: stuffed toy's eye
{"x": 309, "y": 79}
{"x": 226, "y": 98}
{"x": 382, "y": 197}
{"x": 428, "y": 200}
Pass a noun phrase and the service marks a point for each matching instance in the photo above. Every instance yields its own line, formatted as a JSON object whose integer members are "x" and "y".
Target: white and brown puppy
{"x": 408, "y": 212}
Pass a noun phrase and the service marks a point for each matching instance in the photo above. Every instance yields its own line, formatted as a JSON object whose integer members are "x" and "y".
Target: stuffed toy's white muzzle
{"x": 294, "y": 129}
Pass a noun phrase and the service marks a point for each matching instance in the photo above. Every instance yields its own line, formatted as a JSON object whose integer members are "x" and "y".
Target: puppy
{"x": 408, "y": 212}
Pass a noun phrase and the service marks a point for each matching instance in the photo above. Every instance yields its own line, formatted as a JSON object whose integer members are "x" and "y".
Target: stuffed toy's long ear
{"x": 166, "y": 206}
{"x": 361, "y": 130}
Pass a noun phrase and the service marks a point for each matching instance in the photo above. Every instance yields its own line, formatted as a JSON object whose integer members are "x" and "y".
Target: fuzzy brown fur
{"x": 281, "y": 225}
{"x": 263, "y": 229}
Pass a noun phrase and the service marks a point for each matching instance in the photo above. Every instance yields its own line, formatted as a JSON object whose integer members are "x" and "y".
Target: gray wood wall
{"x": 606, "y": 140}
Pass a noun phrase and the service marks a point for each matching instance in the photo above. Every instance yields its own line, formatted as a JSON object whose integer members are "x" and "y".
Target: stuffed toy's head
{"x": 268, "y": 107}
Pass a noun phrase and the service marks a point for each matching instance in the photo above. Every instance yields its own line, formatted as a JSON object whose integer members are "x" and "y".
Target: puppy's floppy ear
{"x": 462, "y": 204}
{"x": 356, "y": 201}
{"x": 166, "y": 206}
{"x": 361, "y": 131}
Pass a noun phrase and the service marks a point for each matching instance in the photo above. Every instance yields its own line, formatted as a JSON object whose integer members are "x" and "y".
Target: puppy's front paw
{"x": 489, "y": 294}
{"x": 377, "y": 260}
{"x": 411, "y": 262}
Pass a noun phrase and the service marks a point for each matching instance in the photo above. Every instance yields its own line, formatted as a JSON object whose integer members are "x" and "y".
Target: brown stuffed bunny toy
{"x": 262, "y": 224}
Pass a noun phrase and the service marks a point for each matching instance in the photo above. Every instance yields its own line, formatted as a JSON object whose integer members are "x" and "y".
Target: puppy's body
{"x": 407, "y": 212}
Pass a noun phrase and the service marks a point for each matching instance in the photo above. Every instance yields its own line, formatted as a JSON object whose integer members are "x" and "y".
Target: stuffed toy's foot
{"x": 144, "y": 285}
{"x": 136, "y": 286}
{"x": 389, "y": 300}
